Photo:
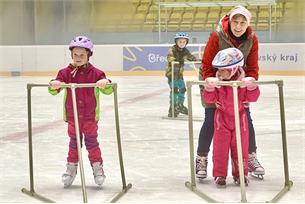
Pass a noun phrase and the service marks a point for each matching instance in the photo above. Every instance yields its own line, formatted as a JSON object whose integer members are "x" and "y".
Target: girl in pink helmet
{"x": 229, "y": 64}
{"x": 82, "y": 71}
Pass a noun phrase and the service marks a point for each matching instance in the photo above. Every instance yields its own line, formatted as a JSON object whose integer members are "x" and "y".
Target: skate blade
{"x": 200, "y": 176}
{"x": 257, "y": 176}
{"x": 67, "y": 185}
{"x": 201, "y": 179}
{"x": 100, "y": 182}
{"x": 221, "y": 186}
{"x": 238, "y": 184}
{"x": 100, "y": 186}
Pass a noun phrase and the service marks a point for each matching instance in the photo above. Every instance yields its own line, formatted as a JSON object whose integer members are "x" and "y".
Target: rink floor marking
{"x": 12, "y": 137}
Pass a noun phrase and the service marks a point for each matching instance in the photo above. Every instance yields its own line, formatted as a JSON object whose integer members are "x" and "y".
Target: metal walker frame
{"x": 235, "y": 84}
{"x": 32, "y": 192}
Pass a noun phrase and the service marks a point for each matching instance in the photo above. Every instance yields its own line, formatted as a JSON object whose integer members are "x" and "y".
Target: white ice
{"x": 155, "y": 150}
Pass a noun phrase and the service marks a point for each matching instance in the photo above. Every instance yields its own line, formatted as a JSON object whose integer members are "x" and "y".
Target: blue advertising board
{"x": 151, "y": 58}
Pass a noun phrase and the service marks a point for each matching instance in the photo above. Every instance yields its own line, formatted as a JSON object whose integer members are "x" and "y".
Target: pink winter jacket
{"x": 87, "y": 98}
{"x": 223, "y": 97}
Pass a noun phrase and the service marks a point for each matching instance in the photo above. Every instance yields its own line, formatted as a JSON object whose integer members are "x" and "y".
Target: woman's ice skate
{"x": 201, "y": 167}
{"x": 255, "y": 168}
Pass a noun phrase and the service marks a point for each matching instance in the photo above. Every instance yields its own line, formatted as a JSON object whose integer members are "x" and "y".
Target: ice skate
{"x": 255, "y": 168}
{"x": 183, "y": 109}
{"x": 201, "y": 167}
{"x": 220, "y": 182}
{"x": 176, "y": 112}
{"x": 98, "y": 173}
{"x": 69, "y": 176}
{"x": 237, "y": 180}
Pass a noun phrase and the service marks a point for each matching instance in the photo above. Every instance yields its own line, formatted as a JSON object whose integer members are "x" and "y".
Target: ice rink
{"x": 155, "y": 150}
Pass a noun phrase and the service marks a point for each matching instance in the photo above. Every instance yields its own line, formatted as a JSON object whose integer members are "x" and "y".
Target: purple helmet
{"x": 81, "y": 41}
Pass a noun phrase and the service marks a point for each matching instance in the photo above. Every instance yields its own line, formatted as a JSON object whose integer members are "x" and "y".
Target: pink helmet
{"x": 81, "y": 41}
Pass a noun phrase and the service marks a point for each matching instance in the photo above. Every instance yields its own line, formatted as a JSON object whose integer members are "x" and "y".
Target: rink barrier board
{"x": 32, "y": 192}
{"x": 235, "y": 84}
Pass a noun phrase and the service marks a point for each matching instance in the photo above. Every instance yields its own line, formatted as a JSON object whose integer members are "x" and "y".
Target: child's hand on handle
{"x": 249, "y": 82}
{"x": 211, "y": 83}
{"x": 102, "y": 83}
{"x": 55, "y": 84}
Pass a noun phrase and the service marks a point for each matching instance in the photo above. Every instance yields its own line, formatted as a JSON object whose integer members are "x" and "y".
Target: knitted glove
{"x": 211, "y": 83}
{"x": 55, "y": 84}
{"x": 102, "y": 83}
{"x": 249, "y": 82}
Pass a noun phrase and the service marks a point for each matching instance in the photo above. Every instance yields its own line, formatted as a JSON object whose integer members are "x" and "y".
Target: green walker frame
{"x": 32, "y": 192}
{"x": 235, "y": 84}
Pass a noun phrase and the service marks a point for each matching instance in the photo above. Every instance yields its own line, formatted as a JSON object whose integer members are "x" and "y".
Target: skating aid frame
{"x": 32, "y": 192}
{"x": 235, "y": 84}
{"x": 172, "y": 82}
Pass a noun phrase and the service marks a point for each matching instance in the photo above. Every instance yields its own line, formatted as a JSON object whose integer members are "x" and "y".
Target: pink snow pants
{"x": 224, "y": 140}
{"x": 88, "y": 129}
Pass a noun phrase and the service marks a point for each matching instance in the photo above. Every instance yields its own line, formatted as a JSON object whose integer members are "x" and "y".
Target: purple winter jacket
{"x": 87, "y": 98}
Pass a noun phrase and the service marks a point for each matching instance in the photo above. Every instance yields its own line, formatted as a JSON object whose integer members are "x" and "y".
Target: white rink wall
{"x": 48, "y": 58}
{"x": 52, "y": 57}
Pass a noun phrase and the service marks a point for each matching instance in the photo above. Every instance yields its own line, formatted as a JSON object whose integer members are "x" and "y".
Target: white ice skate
{"x": 255, "y": 168}
{"x": 201, "y": 167}
{"x": 98, "y": 173}
{"x": 69, "y": 176}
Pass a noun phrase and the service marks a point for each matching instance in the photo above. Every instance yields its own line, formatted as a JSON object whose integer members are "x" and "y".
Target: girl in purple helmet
{"x": 81, "y": 71}
{"x": 229, "y": 64}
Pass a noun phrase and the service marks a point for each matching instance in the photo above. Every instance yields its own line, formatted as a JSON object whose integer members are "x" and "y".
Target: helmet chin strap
{"x": 233, "y": 71}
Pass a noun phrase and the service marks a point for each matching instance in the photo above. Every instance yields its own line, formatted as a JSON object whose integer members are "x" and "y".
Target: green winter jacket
{"x": 87, "y": 99}
{"x": 179, "y": 55}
